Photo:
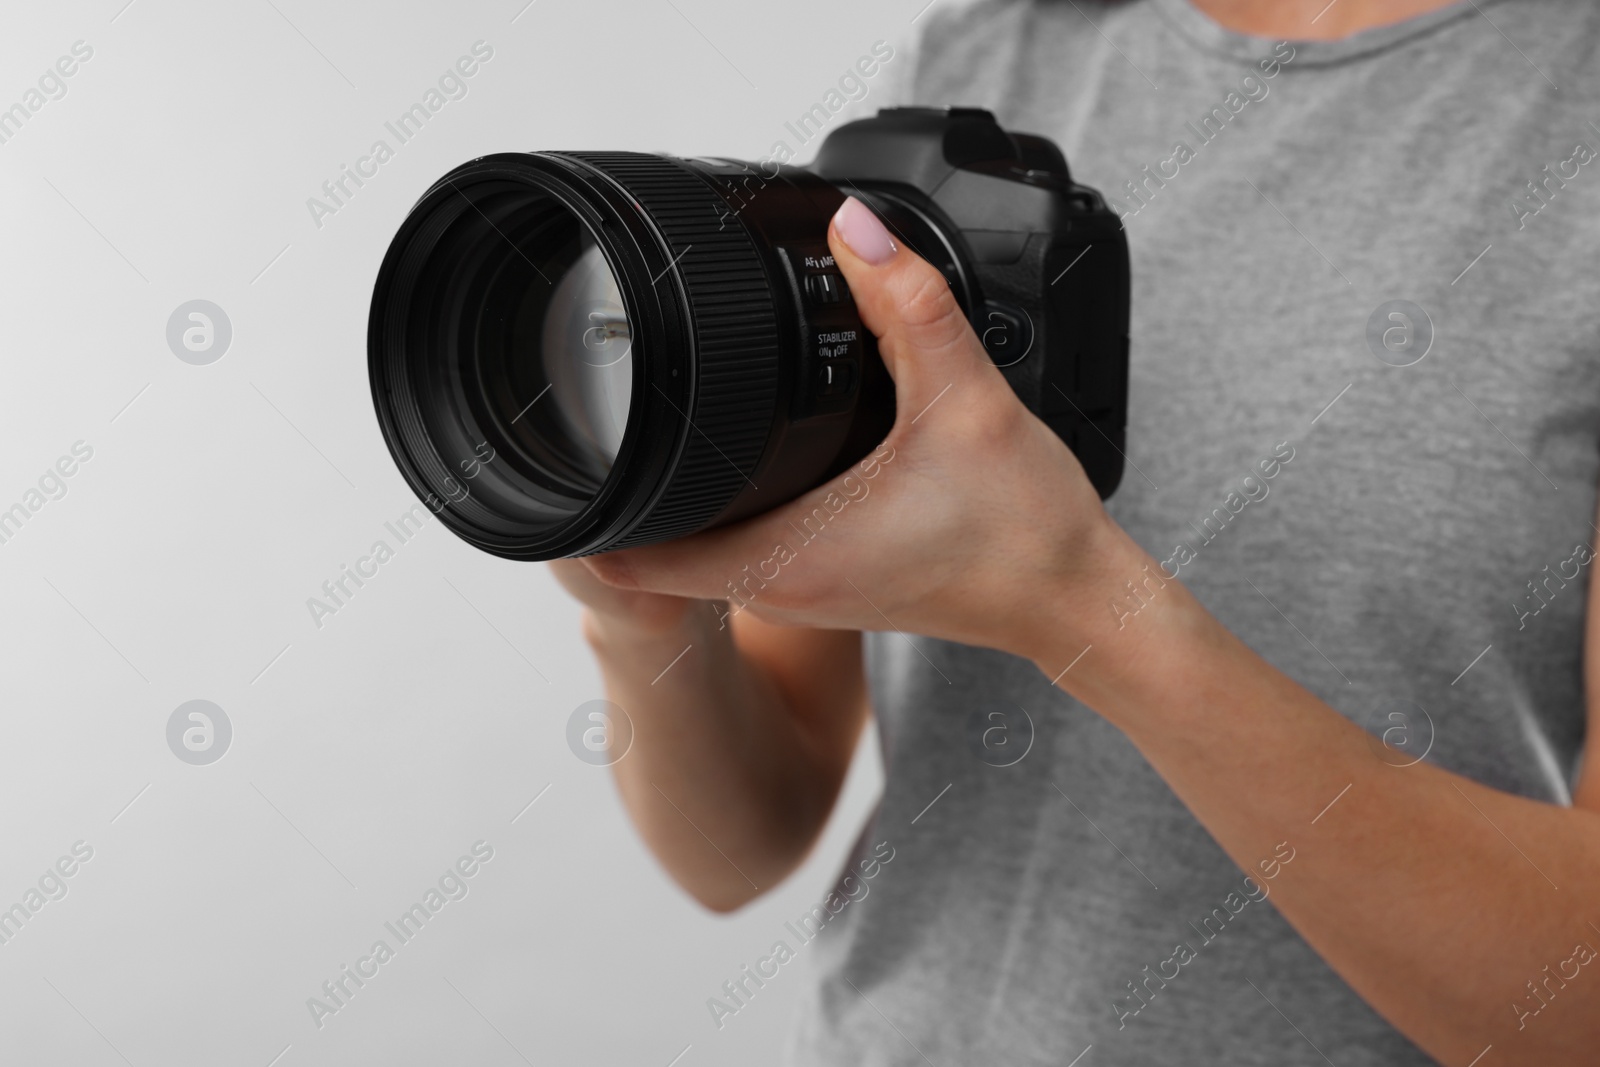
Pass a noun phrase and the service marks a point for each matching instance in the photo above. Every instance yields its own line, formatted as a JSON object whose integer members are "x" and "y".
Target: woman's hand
{"x": 972, "y": 523}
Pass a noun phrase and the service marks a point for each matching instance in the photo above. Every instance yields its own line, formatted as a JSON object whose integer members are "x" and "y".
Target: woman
{"x": 1358, "y": 504}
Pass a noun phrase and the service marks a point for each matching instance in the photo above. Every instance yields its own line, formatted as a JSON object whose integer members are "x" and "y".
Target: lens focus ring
{"x": 734, "y": 332}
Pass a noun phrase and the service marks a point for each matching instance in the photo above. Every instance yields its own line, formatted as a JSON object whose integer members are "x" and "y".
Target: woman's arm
{"x": 1466, "y": 916}
{"x": 742, "y": 733}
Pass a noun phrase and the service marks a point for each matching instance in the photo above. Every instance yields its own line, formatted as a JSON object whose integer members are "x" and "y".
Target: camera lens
{"x": 577, "y": 352}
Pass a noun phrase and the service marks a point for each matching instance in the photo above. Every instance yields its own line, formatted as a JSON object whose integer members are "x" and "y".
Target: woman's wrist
{"x": 1063, "y": 603}
{"x": 1114, "y": 627}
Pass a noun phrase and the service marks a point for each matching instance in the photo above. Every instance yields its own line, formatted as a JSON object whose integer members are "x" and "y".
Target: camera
{"x": 573, "y": 352}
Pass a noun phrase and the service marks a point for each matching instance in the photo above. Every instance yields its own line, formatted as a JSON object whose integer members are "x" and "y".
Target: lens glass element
{"x": 518, "y": 356}
{"x": 586, "y": 351}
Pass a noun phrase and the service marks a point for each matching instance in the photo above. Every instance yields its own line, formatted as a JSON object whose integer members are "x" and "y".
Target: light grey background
{"x": 369, "y": 754}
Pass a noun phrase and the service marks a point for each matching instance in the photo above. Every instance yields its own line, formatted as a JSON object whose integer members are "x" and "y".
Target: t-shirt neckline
{"x": 1211, "y": 36}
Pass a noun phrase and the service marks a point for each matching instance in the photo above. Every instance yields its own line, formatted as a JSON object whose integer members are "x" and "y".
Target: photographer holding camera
{"x": 1326, "y": 644}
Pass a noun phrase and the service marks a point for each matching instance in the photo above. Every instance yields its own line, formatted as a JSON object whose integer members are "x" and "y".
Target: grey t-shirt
{"x": 1418, "y": 558}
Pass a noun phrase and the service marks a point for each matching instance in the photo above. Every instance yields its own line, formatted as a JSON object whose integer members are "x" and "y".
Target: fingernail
{"x": 862, "y": 231}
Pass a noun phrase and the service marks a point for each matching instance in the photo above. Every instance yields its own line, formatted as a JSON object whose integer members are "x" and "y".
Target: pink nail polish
{"x": 862, "y": 231}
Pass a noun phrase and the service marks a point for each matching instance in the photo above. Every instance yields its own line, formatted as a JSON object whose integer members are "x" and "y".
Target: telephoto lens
{"x": 573, "y": 352}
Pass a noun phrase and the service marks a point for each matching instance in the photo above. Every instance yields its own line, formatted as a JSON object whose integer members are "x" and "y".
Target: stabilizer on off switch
{"x": 834, "y": 377}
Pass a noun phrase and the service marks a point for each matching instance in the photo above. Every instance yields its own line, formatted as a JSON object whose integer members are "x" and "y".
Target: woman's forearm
{"x": 1460, "y": 913}
{"x": 723, "y": 779}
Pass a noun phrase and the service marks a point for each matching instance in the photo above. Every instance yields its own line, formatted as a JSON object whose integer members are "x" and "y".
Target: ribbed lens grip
{"x": 734, "y": 328}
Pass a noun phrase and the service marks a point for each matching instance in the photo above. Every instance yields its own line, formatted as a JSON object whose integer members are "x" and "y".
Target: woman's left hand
{"x": 972, "y": 522}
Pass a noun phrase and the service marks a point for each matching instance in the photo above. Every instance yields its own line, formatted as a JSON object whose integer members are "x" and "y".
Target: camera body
{"x": 1038, "y": 263}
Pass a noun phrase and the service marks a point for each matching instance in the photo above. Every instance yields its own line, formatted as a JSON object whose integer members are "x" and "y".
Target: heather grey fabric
{"x": 1400, "y": 540}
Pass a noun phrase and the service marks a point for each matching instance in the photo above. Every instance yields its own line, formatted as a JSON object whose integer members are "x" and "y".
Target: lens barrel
{"x": 575, "y": 352}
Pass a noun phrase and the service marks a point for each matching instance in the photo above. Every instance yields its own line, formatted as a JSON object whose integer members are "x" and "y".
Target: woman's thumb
{"x": 925, "y": 340}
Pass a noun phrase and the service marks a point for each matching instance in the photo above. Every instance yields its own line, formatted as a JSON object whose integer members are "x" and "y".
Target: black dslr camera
{"x": 572, "y": 352}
